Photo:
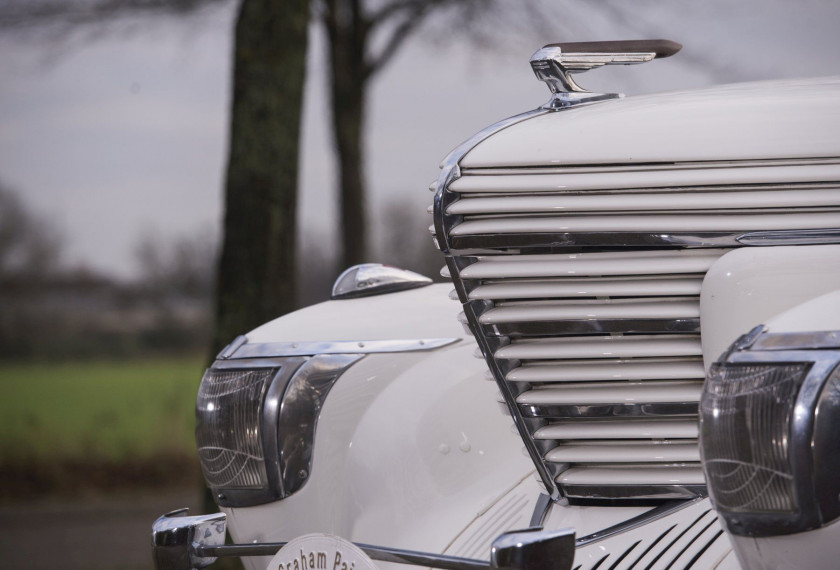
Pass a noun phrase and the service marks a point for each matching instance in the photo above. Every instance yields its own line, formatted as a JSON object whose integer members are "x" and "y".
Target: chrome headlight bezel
{"x": 287, "y": 410}
{"x": 813, "y": 432}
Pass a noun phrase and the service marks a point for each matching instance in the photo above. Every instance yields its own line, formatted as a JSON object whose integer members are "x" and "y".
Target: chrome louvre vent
{"x": 581, "y": 286}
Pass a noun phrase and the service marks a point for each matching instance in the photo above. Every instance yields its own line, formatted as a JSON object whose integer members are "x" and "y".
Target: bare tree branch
{"x": 392, "y": 45}
{"x": 410, "y": 15}
{"x": 393, "y": 9}
{"x": 22, "y": 16}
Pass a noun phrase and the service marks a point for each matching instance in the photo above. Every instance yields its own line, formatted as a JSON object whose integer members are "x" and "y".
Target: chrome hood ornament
{"x": 555, "y": 64}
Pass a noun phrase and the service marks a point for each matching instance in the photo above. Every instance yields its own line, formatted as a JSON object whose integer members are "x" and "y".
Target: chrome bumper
{"x": 181, "y": 542}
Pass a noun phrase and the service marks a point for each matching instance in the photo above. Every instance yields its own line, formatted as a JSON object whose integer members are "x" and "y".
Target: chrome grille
{"x": 582, "y": 284}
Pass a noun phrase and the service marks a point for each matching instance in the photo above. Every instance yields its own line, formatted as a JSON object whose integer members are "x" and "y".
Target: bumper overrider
{"x": 181, "y": 542}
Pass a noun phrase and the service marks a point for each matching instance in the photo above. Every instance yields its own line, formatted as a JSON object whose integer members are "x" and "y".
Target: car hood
{"x": 751, "y": 121}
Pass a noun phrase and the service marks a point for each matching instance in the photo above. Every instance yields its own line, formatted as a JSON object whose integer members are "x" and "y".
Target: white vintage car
{"x": 609, "y": 256}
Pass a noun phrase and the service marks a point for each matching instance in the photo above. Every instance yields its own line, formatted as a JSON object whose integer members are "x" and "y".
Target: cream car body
{"x": 601, "y": 254}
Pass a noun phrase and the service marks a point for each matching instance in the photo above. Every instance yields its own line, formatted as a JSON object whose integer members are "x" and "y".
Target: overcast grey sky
{"x": 123, "y": 136}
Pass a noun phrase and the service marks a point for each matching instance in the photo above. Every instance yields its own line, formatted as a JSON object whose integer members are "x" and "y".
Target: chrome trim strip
{"x": 653, "y": 239}
{"x": 381, "y": 553}
{"x": 593, "y": 239}
{"x": 676, "y": 409}
{"x": 277, "y": 349}
{"x": 581, "y": 493}
{"x": 797, "y": 341}
{"x": 588, "y": 326}
{"x": 540, "y": 510}
{"x": 663, "y": 510}
{"x": 527, "y": 549}
{"x": 670, "y": 166}
{"x": 790, "y": 237}
{"x": 232, "y": 347}
{"x": 251, "y": 363}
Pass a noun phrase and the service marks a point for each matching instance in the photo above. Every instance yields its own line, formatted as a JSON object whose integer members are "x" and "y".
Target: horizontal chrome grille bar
{"x": 602, "y": 347}
{"x": 579, "y": 310}
{"x": 639, "y": 410}
{"x": 647, "y": 223}
{"x": 588, "y": 264}
{"x": 645, "y": 491}
{"x": 624, "y": 452}
{"x": 592, "y": 326}
{"x": 570, "y": 287}
{"x": 688, "y": 474}
{"x": 596, "y": 393}
{"x": 600, "y": 370}
{"x": 611, "y": 429}
{"x": 665, "y": 176}
{"x": 558, "y": 203}
{"x": 661, "y": 239}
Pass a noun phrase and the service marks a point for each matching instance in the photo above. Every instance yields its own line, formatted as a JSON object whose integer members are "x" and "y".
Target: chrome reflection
{"x": 554, "y": 64}
{"x": 534, "y": 549}
{"x": 298, "y": 416}
{"x": 266, "y": 350}
{"x": 370, "y": 279}
{"x": 176, "y": 536}
{"x": 645, "y": 492}
{"x": 647, "y": 410}
{"x": 524, "y": 328}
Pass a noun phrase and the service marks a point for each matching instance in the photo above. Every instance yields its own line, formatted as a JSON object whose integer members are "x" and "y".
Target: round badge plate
{"x": 320, "y": 552}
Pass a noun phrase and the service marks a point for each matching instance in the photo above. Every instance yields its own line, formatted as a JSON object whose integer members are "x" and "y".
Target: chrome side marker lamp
{"x": 181, "y": 542}
{"x": 555, "y": 64}
{"x": 375, "y": 279}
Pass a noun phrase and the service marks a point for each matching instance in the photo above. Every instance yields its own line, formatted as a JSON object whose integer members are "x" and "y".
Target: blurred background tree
{"x": 29, "y": 249}
{"x": 255, "y": 278}
{"x": 363, "y": 37}
{"x": 257, "y": 256}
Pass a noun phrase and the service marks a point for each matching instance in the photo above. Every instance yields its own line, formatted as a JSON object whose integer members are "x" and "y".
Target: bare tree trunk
{"x": 255, "y": 280}
{"x": 347, "y": 30}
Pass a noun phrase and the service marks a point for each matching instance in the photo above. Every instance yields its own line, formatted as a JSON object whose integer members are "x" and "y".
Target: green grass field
{"x": 104, "y": 412}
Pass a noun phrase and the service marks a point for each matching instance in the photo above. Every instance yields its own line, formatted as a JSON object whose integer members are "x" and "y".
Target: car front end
{"x": 606, "y": 253}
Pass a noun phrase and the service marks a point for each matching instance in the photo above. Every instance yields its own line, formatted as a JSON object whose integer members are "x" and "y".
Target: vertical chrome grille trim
{"x": 450, "y": 171}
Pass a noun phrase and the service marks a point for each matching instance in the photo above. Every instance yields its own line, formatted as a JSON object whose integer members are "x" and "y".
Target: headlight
{"x": 770, "y": 421}
{"x": 255, "y": 424}
{"x": 229, "y": 435}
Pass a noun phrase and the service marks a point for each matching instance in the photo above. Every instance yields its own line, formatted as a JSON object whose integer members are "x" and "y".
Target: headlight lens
{"x": 769, "y": 427}
{"x": 747, "y": 412}
{"x": 228, "y": 432}
{"x": 256, "y": 424}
